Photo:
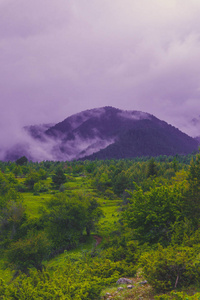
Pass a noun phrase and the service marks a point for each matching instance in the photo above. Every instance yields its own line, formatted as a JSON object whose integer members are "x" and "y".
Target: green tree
{"x": 192, "y": 196}
{"x": 28, "y": 253}
{"x": 65, "y": 220}
{"x": 37, "y": 188}
{"x": 17, "y": 170}
{"x": 102, "y": 181}
{"x": 151, "y": 168}
{"x": 120, "y": 183}
{"x": 12, "y": 215}
{"x": 151, "y": 214}
{"x": 42, "y": 174}
{"x": 175, "y": 165}
{"x": 32, "y": 178}
{"x": 22, "y": 161}
{"x": 58, "y": 178}
{"x": 93, "y": 214}
{"x": 4, "y": 185}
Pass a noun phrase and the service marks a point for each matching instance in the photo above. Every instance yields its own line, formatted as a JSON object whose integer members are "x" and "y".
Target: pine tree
{"x": 58, "y": 178}
{"x": 151, "y": 168}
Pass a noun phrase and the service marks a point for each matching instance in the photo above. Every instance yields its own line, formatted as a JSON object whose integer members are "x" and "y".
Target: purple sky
{"x": 59, "y": 57}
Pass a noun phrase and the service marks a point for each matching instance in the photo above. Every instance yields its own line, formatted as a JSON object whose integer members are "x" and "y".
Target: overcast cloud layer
{"x": 60, "y": 57}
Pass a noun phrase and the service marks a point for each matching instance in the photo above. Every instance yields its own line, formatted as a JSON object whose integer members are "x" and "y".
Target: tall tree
{"x": 58, "y": 178}
{"x": 22, "y": 161}
{"x": 151, "y": 168}
{"x": 192, "y": 196}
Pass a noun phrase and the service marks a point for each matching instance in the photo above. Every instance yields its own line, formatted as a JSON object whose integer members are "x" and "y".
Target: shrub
{"x": 178, "y": 296}
{"x": 78, "y": 280}
{"x": 168, "y": 268}
{"x": 29, "y": 252}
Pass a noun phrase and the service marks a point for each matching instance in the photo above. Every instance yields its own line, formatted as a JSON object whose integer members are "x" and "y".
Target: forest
{"x": 71, "y": 230}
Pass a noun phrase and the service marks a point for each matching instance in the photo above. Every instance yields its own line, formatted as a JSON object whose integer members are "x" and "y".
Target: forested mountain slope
{"x": 105, "y": 133}
{"x": 121, "y": 134}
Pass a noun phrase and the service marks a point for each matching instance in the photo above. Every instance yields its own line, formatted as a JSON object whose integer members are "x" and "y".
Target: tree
{"x": 152, "y": 214}
{"x": 102, "y": 181}
{"x": 192, "y": 196}
{"x": 120, "y": 183}
{"x": 37, "y": 188}
{"x": 22, "y": 161}
{"x": 17, "y": 170}
{"x": 93, "y": 215}
{"x": 58, "y": 178}
{"x": 151, "y": 168}
{"x": 67, "y": 218}
{"x": 175, "y": 165}
{"x": 4, "y": 185}
{"x": 32, "y": 178}
{"x": 42, "y": 174}
{"x": 12, "y": 215}
{"x": 28, "y": 253}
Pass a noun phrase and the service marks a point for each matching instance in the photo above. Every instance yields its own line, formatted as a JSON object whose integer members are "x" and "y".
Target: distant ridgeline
{"x": 103, "y": 133}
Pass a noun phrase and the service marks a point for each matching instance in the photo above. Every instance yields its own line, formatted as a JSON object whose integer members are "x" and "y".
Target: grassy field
{"x": 33, "y": 203}
{"x": 110, "y": 210}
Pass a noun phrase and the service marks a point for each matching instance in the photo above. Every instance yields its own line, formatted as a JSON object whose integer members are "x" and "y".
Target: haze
{"x": 62, "y": 57}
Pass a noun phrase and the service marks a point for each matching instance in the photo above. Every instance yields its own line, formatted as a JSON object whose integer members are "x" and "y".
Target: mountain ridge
{"x": 108, "y": 132}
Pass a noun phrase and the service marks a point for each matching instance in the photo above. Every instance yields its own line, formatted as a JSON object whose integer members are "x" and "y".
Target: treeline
{"x": 157, "y": 230}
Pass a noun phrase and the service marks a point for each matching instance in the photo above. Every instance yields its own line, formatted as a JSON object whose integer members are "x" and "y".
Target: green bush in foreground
{"x": 171, "y": 267}
{"x": 81, "y": 279}
{"x": 178, "y": 296}
{"x": 29, "y": 252}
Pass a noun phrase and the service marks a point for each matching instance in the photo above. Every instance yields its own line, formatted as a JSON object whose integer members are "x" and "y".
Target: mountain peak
{"x": 108, "y": 132}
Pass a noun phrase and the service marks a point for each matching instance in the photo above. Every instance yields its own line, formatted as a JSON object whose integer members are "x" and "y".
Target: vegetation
{"x": 70, "y": 230}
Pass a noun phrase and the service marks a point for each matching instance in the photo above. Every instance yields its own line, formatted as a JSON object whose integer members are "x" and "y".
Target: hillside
{"x": 148, "y": 138}
{"x": 108, "y": 132}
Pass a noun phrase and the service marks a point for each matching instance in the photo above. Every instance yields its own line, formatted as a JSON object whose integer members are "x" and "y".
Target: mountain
{"x": 37, "y": 131}
{"x": 107, "y": 132}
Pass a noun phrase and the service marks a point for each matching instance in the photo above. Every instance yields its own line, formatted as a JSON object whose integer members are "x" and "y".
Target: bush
{"x": 168, "y": 268}
{"x": 20, "y": 187}
{"x": 78, "y": 280}
{"x": 29, "y": 252}
{"x": 152, "y": 214}
{"x": 178, "y": 296}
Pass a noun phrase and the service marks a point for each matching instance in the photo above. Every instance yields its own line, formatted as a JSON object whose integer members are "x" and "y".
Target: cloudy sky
{"x": 59, "y": 57}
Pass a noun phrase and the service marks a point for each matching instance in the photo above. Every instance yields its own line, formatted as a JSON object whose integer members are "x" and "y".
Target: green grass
{"x": 111, "y": 213}
{"x": 33, "y": 203}
{"x": 79, "y": 183}
{"x": 60, "y": 259}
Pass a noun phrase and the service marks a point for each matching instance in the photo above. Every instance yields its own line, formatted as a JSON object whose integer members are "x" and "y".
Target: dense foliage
{"x": 145, "y": 212}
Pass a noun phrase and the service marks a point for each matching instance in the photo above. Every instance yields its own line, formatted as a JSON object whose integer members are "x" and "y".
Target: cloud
{"x": 60, "y": 57}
